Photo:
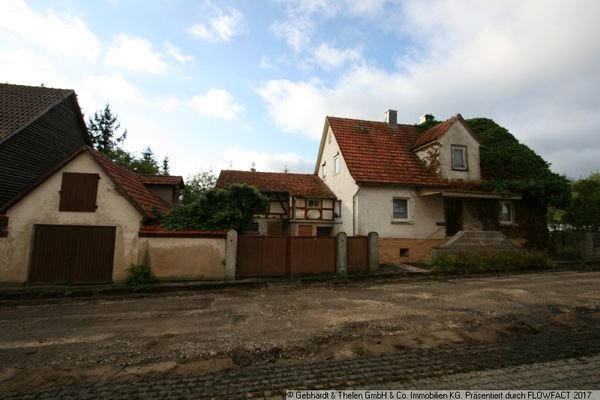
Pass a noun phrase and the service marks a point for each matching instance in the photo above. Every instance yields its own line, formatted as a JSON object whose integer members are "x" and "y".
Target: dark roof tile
{"x": 20, "y": 105}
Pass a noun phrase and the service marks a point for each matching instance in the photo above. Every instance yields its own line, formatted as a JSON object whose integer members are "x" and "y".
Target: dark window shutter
{"x": 78, "y": 192}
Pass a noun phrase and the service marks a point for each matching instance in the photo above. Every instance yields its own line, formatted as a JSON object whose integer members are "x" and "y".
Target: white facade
{"x": 341, "y": 184}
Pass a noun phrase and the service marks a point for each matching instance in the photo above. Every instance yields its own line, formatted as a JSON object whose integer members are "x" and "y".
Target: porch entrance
{"x": 453, "y": 215}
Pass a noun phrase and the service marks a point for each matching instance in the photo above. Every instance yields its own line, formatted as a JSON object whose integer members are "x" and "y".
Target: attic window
{"x": 78, "y": 192}
{"x": 324, "y": 170}
{"x": 459, "y": 157}
{"x": 336, "y": 164}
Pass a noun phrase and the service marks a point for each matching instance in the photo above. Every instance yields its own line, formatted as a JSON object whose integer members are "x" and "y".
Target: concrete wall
{"x": 40, "y": 206}
{"x": 375, "y": 214}
{"x": 176, "y": 258}
{"x": 341, "y": 184}
{"x": 418, "y": 249}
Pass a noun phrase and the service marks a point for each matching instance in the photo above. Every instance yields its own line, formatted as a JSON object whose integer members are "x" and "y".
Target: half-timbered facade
{"x": 299, "y": 204}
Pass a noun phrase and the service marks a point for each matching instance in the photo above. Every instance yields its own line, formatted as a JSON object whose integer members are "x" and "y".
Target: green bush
{"x": 139, "y": 275}
{"x": 473, "y": 263}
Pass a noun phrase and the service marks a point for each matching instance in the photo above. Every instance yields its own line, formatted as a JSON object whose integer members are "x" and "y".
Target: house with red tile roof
{"x": 407, "y": 186}
{"x": 299, "y": 204}
{"x": 79, "y": 223}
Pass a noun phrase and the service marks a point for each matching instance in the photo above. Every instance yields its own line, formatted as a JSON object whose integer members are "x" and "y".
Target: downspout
{"x": 355, "y": 213}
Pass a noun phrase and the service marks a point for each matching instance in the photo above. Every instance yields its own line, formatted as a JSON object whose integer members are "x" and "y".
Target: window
{"x": 336, "y": 164}
{"x": 400, "y": 208}
{"x": 404, "y": 252}
{"x": 78, "y": 192}
{"x": 459, "y": 157}
{"x": 507, "y": 212}
{"x": 313, "y": 203}
{"x": 337, "y": 209}
{"x": 324, "y": 170}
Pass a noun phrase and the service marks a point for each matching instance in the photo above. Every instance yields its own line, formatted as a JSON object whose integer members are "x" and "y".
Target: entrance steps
{"x": 476, "y": 241}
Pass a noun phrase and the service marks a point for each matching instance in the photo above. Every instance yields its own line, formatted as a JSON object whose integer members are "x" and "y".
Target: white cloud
{"x": 330, "y": 57}
{"x": 502, "y": 61}
{"x": 52, "y": 32}
{"x": 176, "y": 54}
{"x": 243, "y": 159}
{"x": 135, "y": 54}
{"x": 216, "y": 103}
{"x": 168, "y": 103}
{"x": 222, "y": 27}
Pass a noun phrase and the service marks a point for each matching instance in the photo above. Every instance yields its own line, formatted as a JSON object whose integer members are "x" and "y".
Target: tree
{"x": 218, "y": 209}
{"x": 583, "y": 212}
{"x": 103, "y": 128}
{"x": 198, "y": 184}
{"x": 146, "y": 164}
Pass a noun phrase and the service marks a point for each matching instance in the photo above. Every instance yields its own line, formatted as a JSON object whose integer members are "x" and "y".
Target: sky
{"x": 231, "y": 84}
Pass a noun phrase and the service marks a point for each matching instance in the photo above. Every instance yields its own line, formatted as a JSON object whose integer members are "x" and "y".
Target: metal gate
{"x": 65, "y": 254}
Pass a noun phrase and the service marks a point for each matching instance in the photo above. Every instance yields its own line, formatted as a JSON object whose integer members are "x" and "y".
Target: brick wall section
{"x": 418, "y": 249}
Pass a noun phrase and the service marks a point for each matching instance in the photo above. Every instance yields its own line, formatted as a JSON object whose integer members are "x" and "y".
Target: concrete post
{"x": 231, "y": 255}
{"x": 342, "y": 254}
{"x": 373, "y": 251}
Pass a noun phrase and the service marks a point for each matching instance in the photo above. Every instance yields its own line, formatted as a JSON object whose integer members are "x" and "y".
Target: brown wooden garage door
{"x": 72, "y": 254}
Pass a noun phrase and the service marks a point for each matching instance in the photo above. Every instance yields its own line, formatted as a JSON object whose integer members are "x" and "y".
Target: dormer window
{"x": 459, "y": 157}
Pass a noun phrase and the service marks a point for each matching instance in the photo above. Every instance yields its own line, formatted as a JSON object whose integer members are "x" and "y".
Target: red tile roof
{"x": 301, "y": 185}
{"x": 170, "y": 180}
{"x": 20, "y": 105}
{"x": 376, "y": 153}
{"x": 131, "y": 187}
{"x": 438, "y": 130}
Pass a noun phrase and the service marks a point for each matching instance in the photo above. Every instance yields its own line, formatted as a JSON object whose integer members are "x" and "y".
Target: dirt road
{"x": 73, "y": 341}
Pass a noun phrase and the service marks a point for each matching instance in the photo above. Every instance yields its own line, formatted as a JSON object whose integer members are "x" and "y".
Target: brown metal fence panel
{"x": 312, "y": 255}
{"x": 52, "y": 254}
{"x": 358, "y": 254}
{"x": 94, "y": 251}
{"x": 261, "y": 256}
{"x": 72, "y": 254}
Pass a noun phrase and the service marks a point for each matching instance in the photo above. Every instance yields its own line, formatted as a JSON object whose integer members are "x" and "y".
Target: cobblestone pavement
{"x": 553, "y": 358}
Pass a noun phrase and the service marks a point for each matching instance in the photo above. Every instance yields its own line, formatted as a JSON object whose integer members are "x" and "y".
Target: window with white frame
{"x": 324, "y": 170}
{"x": 400, "y": 208}
{"x": 459, "y": 157}
{"x": 507, "y": 212}
{"x": 336, "y": 164}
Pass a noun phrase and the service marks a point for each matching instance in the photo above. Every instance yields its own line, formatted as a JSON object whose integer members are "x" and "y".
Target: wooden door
{"x": 453, "y": 214}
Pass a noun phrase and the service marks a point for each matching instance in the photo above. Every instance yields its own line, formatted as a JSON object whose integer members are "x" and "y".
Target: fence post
{"x": 231, "y": 255}
{"x": 588, "y": 245}
{"x": 341, "y": 267}
{"x": 373, "y": 251}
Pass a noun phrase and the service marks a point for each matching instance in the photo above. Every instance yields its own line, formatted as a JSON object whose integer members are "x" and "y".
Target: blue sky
{"x": 220, "y": 84}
